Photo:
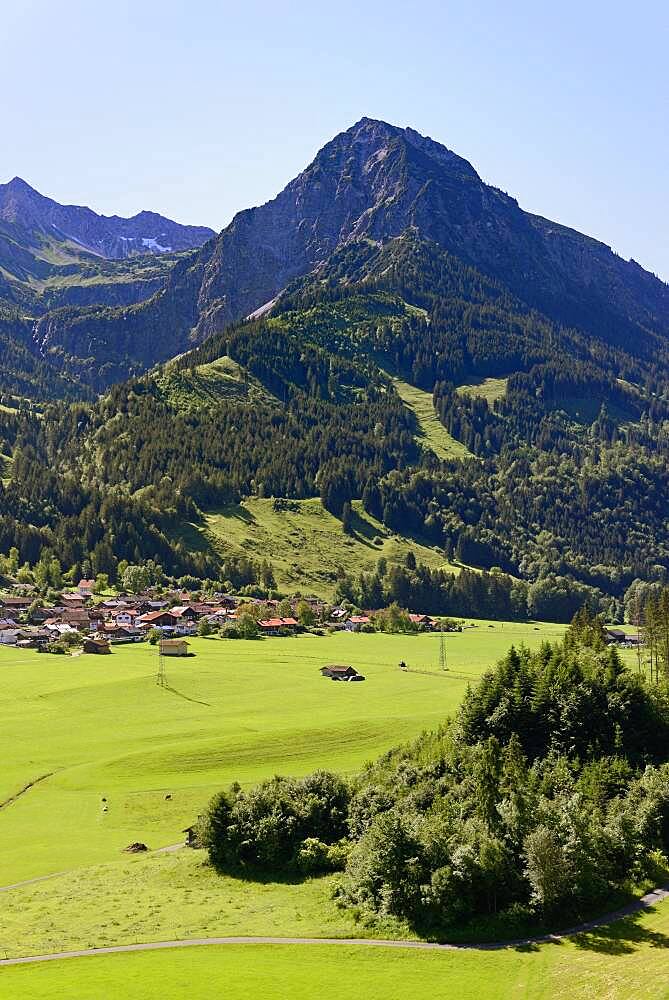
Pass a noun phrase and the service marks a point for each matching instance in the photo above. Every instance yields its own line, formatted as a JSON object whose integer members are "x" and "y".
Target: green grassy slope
{"x": 306, "y": 544}
{"x": 192, "y": 389}
{"x": 175, "y": 895}
{"x": 489, "y": 389}
{"x": 432, "y": 433}
{"x": 629, "y": 959}
{"x": 100, "y": 726}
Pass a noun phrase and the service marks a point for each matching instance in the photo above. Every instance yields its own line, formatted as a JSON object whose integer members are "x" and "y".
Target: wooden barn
{"x": 173, "y": 647}
{"x": 341, "y": 672}
{"x": 91, "y": 645}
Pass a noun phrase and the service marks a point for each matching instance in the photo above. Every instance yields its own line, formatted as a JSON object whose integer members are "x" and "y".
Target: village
{"x": 93, "y": 623}
{"x": 81, "y": 619}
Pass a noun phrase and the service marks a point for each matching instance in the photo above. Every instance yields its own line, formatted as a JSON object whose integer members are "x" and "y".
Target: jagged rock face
{"x": 102, "y": 345}
{"x": 366, "y": 183}
{"x": 109, "y": 236}
{"x": 118, "y": 293}
{"x": 376, "y": 182}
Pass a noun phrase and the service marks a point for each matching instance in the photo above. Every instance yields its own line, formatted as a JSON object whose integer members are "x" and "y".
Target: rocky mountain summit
{"x": 370, "y": 185}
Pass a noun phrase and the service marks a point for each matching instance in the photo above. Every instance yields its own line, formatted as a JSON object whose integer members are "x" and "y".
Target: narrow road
{"x": 647, "y": 901}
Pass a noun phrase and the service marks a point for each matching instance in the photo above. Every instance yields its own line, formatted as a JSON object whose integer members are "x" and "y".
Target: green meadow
{"x": 628, "y": 959}
{"x": 431, "y": 432}
{"x": 77, "y": 729}
{"x": 80, "y": 729}
{"x": 305, "y": 543}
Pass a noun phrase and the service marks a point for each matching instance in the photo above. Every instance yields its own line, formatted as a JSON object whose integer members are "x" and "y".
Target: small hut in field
{"x": 173, "y": 647}
{"x": 91, "y": 645}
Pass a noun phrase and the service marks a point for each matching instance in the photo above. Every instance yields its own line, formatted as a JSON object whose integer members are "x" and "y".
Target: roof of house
{"x": 152, "y": 616}
{"x": 359, "y": 619}
{"x": 86, "y": 583}
{"x": 338, "y": 668}
{"x": 277, "y": 622}
{"x": 173, "y": 642}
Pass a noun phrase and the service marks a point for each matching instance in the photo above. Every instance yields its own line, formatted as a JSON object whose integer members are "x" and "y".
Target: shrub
{"x": 267, "y": 827}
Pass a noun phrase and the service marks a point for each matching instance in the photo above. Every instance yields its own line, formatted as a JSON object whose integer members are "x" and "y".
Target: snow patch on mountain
{"x": 153, "y": 244}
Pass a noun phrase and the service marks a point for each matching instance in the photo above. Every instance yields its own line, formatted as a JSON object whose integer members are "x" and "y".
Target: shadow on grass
{"x": 234, "y": 510}
{"x": 622, "y": 937}
{"x": 257, "y": 876}
{"x": 185, "y": 697}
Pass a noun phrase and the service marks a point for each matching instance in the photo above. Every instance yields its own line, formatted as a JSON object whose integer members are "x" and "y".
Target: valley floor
{"x": 99, "y": 727}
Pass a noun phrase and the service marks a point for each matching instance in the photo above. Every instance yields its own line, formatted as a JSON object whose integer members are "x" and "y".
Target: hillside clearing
{"x": 306, "y": 544}
{"x": 489, "y": 389}
{"x": 432, "y": 433}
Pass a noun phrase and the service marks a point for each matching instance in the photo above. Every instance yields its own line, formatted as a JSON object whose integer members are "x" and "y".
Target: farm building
{"x": 356, "y": 622}
{"x": 158, "y": 619}
{"x": 173, "y": 647}
{"x": 341, "y": 672}
{"x": 276, "y": 626}
{"x": 423, "y": 621}
{"x": 91, "y": 645}
{"x": 191, "y": 837}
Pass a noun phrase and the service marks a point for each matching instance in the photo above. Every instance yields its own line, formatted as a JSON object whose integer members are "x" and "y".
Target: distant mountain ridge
{"x": 374, "y": 183}
{"x": 111, "y": 237}
{"x": 54, "y": 255}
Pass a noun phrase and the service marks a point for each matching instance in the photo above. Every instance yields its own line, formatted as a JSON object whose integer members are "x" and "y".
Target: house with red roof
{"x": 277, "y": 626}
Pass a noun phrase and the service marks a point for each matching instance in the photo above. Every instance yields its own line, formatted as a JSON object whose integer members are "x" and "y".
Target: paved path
{"x": 31, "y": 881}
{"x": 649, "y": 900}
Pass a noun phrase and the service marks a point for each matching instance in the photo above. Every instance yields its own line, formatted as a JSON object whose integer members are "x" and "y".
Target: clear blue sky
{"x": 198, "y": 108}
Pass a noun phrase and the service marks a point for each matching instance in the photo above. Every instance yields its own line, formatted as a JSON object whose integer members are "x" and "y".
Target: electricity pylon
{"x": 442, "y": 650}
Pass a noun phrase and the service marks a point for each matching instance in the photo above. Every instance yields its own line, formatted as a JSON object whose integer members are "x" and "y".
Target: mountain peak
{"x": 18, "y": 184}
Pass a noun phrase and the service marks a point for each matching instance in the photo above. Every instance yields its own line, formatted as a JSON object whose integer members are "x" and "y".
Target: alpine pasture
{"x": 98, "y": 756}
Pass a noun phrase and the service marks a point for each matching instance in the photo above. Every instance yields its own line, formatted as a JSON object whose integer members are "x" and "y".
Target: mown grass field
{"x": 306, "y": 544}
{"x": 90, "y": 727}
{"x": 628, "y": 959}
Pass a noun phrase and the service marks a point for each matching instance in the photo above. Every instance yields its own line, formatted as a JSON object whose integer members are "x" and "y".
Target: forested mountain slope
{"x": 564, "y": 475}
